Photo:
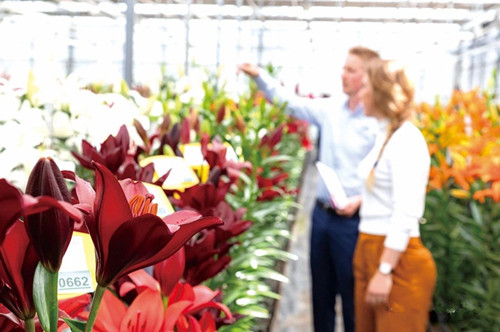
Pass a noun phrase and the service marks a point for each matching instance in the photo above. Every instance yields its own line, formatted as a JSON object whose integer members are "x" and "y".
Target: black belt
{"x": 325, "y": 207}
{"x": 328, "y": 208}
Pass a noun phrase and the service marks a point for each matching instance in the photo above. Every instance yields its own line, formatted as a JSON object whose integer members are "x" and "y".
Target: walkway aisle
{"x": 294, "y": 312}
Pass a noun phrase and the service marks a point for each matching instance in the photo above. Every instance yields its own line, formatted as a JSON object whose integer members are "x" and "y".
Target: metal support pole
{"x": 220, "y": 3}
{"x": 239, "y": 3}
{"x": 71, "y": 48}
{"x": 260, "y": 45}
{"x": 186, "y": 23}
{"x": 129, "y": 43}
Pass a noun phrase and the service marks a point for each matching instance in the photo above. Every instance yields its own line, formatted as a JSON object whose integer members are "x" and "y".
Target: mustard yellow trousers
{"x": 410, "y": 300}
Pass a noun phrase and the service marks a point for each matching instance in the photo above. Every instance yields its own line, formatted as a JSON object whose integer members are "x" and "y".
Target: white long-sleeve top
{"x": 396, "y": 201}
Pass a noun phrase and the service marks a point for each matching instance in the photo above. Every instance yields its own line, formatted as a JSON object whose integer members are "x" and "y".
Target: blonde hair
{"x": 364, "y": 53}
{"x": 392, "y": 97}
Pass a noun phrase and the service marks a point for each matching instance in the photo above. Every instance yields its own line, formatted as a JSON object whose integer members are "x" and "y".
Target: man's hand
{"x": 249, "y": 69}
{"x": 351, "y": 208}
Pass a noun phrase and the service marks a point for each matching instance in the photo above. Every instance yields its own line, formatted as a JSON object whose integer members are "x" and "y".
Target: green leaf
{"x": 245, "y": 178}
{"x": 275, "y": 253}
{"x": 75, "y": 325}
{"x": 476, "y": 213}
{"x": 255, "y": 311}
{"x": 45, "y": 298}
{"x": 267, "y": 273}
{"x": 274, "y": 159}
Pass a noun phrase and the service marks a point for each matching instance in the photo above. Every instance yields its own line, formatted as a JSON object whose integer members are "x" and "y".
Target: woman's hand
{"x": 379, "y": 289}
{"x": 351, "y": 208}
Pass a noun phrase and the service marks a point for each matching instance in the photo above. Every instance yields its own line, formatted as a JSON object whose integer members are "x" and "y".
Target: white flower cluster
{"x": 51, "y": 117}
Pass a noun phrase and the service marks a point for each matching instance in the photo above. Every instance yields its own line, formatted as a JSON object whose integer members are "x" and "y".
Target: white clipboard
{"x": 330, "y": 178}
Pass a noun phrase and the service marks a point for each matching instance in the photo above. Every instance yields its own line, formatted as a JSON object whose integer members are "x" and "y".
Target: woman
{"x": 394, "y": 273}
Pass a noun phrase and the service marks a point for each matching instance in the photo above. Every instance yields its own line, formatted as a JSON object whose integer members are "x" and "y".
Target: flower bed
{"x": 463, "y": 208}
{"x": 221, "y": 278}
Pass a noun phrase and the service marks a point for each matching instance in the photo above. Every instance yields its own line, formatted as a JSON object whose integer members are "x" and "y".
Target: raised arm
{"x": 311, "y": 110}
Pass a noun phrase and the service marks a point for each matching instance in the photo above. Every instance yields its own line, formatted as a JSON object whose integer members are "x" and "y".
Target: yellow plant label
{"x": 77, "y": 273}
{"x": 181, "y": 175}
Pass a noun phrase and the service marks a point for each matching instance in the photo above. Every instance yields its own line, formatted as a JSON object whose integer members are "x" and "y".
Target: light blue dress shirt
{"x": 345, "y": 136}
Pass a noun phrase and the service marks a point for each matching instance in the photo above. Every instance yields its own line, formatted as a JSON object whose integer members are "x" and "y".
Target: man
{"x": 346, "y": 136}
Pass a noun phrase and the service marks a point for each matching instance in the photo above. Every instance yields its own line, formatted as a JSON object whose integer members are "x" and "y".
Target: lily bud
{"x": 50, "y": 230}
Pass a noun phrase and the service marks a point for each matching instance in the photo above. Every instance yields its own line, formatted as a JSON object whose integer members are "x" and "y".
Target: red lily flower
{"x": 233, "y": 225}
{"x": 50, "y": 230}
{"x": 144, "y": 314}
{"x": 205, "y": 258}
{"x": 112, "y": 152}
{"x": 207, "y": 254}
{"x": 130, "y": 237}
{"x": 215, "y": 156}
{"x": 202, "y": 198}
{"x": 18, "y": 261}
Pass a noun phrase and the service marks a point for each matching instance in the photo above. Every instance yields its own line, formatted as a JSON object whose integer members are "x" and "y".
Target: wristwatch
{"x": 385, "y": 268}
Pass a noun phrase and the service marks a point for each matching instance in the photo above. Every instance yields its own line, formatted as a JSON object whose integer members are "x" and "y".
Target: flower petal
{"x": 143, "y": 280}
{"x": 18, "y": 261}
{"x": 10, "y": 206}
{"x": 111, "y": 209}
{"x": 145, "y": 313}
{"x": 134, "y": 245}
{"x": 185, "y": 232}
{"x": 110, "y": 314}
{"x": 172, "y": 314}
{"x": 169, "y": 271}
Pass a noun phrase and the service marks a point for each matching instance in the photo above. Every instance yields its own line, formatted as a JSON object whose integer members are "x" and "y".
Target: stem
{"x": 96, "y": 301}
{"x": 52, "y": 299}
{"x": 29, "y": 325}
{"x": 45, "y": 297}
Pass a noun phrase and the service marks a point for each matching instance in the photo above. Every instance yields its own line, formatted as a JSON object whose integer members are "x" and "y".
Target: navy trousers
{"x": 333, "y": 240}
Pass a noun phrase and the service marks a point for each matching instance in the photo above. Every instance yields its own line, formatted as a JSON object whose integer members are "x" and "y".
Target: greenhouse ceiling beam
{"x": 321, "y": 19}
{"x": 66, "y": 8}
{"x": 279, "y": 18}
{"x": 162, "y": 10}
{"x": 469, "y": 5}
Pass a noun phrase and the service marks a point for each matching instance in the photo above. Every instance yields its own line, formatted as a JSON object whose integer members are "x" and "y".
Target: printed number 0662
{"x": 73, "y": 282}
